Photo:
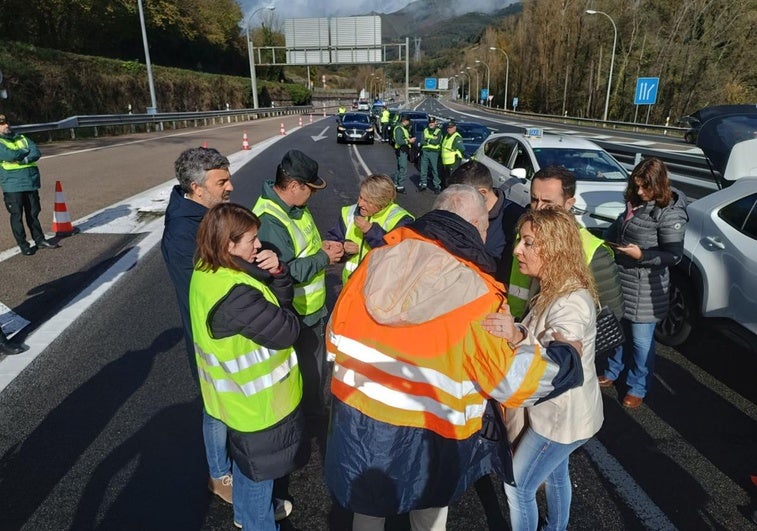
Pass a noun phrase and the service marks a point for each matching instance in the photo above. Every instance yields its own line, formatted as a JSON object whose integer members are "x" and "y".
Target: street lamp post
{"x": 253, "y": 78}
{"x": 150, "y": 82}
{"x": 477, "y": 84}
{"x": 488, "y": 78}
{"x": 463, "y": 92}
{"x": 612, "y": 58}
{"x": 507, "y": 70}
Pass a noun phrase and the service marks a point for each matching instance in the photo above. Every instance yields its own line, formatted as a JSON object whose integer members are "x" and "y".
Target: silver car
{"x": 513, "y": 159}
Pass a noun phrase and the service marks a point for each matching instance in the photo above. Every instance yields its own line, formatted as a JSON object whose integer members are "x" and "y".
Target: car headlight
{"x": 369, "y": 130}
{"x": 340, "y": 128}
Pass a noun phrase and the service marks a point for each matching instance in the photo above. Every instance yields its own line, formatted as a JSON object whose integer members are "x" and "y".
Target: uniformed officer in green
{"x": 342, "y": 110}
{"x": 432, "y": 144}
{"x": 453, "y": 152}
{"x": 402, "y": 142}
{"x": 386, "y": 116}
{"x": 288, "y": 226}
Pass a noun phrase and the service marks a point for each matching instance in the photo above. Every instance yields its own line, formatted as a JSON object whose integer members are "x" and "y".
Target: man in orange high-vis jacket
{"x": 414, "y": 369}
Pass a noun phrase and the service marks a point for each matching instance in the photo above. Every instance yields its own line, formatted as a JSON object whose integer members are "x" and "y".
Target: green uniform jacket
{"x": 18, "y": 150}
{"x": 274, "y": 233}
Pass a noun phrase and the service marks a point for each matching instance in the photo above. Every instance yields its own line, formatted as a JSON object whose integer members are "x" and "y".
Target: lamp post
{"x": 507, "y": 70}
{"x": 488, "y": 78}
{"x": 612, "y": 58}
{"x": 253, "y": 79}
{"x": 477, "y": 87}
{"x": 463, "y": 91}
{"x": 150, "y": 82}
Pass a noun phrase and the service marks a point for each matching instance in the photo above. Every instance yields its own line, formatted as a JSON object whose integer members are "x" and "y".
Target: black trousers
{"x": 20, "y": 204}
{"x": 311, "y": 355}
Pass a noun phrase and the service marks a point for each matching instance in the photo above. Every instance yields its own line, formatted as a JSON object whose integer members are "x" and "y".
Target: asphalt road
{"x": 102, "y": 430}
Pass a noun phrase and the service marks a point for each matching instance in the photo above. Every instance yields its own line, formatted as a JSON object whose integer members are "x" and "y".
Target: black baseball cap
{"x": 298, "y": 166}
{"x": 451, "y": 123}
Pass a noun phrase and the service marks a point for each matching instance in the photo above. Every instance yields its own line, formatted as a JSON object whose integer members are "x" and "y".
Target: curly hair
{"x": 558, "y": 244}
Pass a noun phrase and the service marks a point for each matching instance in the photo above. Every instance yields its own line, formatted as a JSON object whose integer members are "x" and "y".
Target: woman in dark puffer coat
{"x": 649, "y": 237}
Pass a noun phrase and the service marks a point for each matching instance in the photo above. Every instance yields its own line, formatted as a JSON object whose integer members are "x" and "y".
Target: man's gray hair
{"x": 193, "y": 165}
{"x": 463, "y": 200}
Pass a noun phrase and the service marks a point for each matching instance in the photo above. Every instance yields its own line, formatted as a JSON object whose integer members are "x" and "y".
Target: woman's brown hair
{"x": 653, "y": 175}
{"x": 224, "y": 223}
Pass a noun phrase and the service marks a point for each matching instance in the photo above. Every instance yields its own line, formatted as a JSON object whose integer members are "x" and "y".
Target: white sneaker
{"x": 281, "y": 509}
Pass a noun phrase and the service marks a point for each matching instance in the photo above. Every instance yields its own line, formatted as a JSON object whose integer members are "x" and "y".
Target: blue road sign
{"x": 515, "y": 103}
{"x": 646, "y": 90}
{"x": 484, "y": 94}
{"x": 430, "y": 83}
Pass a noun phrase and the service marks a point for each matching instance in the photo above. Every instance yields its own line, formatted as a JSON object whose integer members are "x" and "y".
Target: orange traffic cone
{"x": 283, "y": 131}
{"x": 61, "y": 220}
{"x": 205, "y": 145}
{"x": 245, "y": 143}
{"x": 299, "y": 122}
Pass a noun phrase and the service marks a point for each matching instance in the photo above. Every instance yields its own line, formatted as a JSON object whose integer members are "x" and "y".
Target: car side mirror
{"x": 519, "y": 173}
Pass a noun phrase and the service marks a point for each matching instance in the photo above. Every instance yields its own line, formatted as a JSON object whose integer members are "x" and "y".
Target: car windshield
{"x": 586, "y": 164}
{"x": 356, "y": 117}
{"x": 472, "y": 132}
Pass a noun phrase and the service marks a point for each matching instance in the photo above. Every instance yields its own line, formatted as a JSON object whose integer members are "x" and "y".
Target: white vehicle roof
{"x": 551, "y": 141}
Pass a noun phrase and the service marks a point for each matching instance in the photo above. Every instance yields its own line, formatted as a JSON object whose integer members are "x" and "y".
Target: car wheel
{"x": 675, "y": 329}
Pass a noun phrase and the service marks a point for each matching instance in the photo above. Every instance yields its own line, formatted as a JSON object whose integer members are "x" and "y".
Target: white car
{"x": 600, "y": 179}
{"x": 717, "y": 277}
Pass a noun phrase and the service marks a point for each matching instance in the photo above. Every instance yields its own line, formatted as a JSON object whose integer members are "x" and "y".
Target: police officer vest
{"x": 19, "y": 143}
{"x": 387, "y": 219}
{"x": 247, "y": 386}
{"x": 518, "y": 291}
{"x": 385, "y": 115}
{"x": 449, "y": 155}
{"x": 405, "y": 136}
{"x": 309, "y": 296}
{"x": 431, "y": 139}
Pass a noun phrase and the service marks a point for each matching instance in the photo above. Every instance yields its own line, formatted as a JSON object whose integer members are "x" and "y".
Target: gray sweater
{"x": 659, "y": 233}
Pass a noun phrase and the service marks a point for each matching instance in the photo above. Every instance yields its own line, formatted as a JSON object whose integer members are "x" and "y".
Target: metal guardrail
{"x": 159, "y": 121}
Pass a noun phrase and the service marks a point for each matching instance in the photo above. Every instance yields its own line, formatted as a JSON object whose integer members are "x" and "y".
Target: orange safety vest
{"x": 434, "y": 375}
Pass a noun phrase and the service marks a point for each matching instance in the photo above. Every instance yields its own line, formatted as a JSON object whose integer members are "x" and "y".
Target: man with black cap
{"x": 19, "y": 178}
{"x": 432, "y": 143}
{"x": 402, "y": 141}
{"x": 453, "y": 152}
{"x": 288, "y": 226}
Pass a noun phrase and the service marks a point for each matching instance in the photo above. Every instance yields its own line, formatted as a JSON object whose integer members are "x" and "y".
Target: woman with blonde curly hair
{"x": 549, "y": 250}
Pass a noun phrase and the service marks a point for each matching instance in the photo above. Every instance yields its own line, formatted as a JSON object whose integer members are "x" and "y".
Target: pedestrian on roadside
{"x": 402, "y": 142}
{"x": 452, "y": 153}
{"x": 362, "y": 226}
{"x": 414, "y": 369}
{"x": 244, "y": 327}
{"x": 430, "y": 148}
{"x": 566, "y": 303}
{"x": 648, "y": 239}
{"x": 384, "y": 119}
{"x": 204, "y": 181}
{"x": 288, "y": 226}
{"x": 20, "y": 181}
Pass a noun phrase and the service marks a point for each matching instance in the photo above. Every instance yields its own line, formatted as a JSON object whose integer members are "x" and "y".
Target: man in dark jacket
{"x": 19, "y": 178}
{"x": 204, "y": 181}
{"x": 555, "y": 186}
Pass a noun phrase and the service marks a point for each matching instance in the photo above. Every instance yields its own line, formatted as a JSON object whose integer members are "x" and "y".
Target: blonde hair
{"x": 378, "y": 189}
{"x": 558, "y": 244}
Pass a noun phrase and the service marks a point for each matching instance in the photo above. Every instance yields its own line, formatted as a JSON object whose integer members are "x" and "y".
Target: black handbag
{"x": 609, "y": 331}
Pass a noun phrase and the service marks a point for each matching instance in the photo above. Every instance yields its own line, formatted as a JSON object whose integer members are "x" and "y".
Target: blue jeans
{"x": 253, "y": 503}
{"x": 538, "y": 460}
{"x": 639, "y": 350}
{"x": 216, "y": 451}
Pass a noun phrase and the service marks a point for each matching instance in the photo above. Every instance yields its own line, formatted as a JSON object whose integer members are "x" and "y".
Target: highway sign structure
{"x": 430, "y": 83}
{"x": 646, "y": 91}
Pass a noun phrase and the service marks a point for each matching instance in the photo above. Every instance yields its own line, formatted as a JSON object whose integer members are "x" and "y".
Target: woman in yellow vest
{"x": 244, "y": 326}
{"x": 362, "y": 226}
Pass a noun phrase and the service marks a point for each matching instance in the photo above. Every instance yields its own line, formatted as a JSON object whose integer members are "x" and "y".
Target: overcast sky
{"x": 333, "y": 8}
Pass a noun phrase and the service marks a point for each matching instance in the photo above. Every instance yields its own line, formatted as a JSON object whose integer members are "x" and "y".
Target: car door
{"x": 519, "y": 190}
{"x": 727, "y": 248}
{"x": 497, "y": 154}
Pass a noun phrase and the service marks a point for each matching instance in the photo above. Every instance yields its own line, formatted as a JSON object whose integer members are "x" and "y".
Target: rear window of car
{"x": 742, "y": 215}
{"x": 587, "y": 165}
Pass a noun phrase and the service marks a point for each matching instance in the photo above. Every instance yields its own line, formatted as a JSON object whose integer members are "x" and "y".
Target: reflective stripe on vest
{"x": 20, "y": 143}
{"x": 387, "y": 219}
{"x": 244, "y": 384}
{"x": 449, "y": 155}
{"x": 429, "y": 133}
{"x": 309, "y": 296}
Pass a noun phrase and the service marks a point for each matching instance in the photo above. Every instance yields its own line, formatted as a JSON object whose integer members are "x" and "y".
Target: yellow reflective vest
{"x": 387, "y": 219}
{"x": 19, "y": 143}
{"x": 450, "y": 155}
{"x": 309, "y": 296}
{"x": 247, "y": 386}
